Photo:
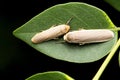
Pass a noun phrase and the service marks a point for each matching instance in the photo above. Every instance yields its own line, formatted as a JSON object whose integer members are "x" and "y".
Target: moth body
{"x": 50, "y": 33}
{"x": 89, "y": 36}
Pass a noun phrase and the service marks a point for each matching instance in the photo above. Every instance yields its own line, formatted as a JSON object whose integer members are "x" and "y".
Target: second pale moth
{"x": 89, "y": 36}
{"x": 50, "y": 33}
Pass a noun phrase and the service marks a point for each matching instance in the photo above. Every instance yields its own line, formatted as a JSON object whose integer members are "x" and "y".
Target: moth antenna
{"x": 53, "y": 25}
{"x": 69, "y": 20}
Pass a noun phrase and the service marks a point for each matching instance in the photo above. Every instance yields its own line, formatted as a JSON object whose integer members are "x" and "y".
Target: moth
{"x": 51, "y": 33}
{"x": 89, "y": 36}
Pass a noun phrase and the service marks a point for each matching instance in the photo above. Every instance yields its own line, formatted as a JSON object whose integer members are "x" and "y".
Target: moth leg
{"x": 56, "y": 38}
{"x": 53, "y": 25}
{"x": 81, "y": 43}
{"x": 81, "y": 29}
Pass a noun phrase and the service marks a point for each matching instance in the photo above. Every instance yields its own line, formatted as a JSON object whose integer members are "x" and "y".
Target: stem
{"x": 116, "y": 29}
{"x": 107, "y": 60}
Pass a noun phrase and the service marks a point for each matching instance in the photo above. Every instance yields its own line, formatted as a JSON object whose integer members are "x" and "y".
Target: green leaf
{"x": 51, "y": 75}
{"x": 114, "y": 3}
{"x": 84, "y": 16}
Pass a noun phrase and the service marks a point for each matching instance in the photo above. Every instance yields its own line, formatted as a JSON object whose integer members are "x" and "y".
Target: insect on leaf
{"x": 84, "y": 16}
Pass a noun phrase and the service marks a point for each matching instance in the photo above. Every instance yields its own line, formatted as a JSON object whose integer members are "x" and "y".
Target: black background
{"x": 19, "y": 61}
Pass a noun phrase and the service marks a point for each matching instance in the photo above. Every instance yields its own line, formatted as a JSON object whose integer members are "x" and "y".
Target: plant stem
{"x": 116, "y": 29}
{"x": 107, "y": 60}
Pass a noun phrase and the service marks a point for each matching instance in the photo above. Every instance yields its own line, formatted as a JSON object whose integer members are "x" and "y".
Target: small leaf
{"x": 114, "y": 3}
{"x": 84, "y": 16}
{"x": 51, "y": 75}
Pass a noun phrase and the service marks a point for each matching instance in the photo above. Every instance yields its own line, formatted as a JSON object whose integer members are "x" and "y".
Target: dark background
{"x": 19, "y": 61}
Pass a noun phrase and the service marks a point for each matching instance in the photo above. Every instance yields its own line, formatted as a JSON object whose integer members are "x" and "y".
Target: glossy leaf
{"x": 84, "y": 16}
{"x": 51, "y": 75}
{"x": 114, "y": 3}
